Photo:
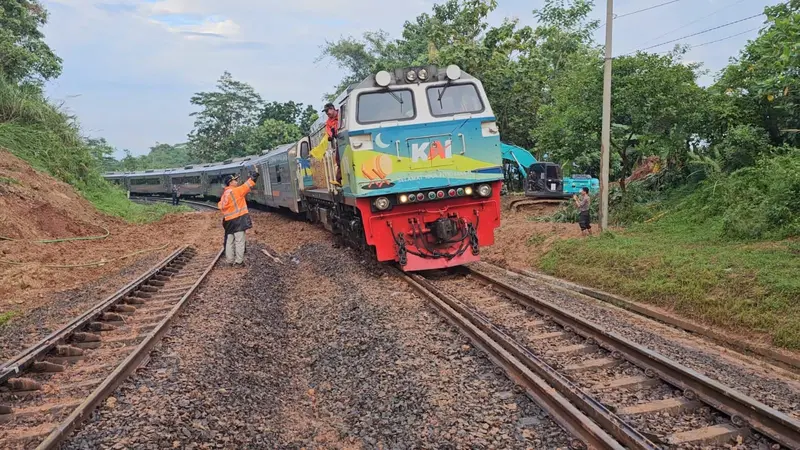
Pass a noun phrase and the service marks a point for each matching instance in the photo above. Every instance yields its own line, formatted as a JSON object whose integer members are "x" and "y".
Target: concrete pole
{"x": 606, "y": 144}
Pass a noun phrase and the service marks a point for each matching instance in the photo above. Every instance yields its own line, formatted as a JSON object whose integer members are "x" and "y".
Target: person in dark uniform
{"x": 176, "y": 193}
{"x": 584, "y": 205}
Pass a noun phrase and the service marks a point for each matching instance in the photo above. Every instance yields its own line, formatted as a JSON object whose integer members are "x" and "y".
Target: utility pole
{"x": 606, "y": 145}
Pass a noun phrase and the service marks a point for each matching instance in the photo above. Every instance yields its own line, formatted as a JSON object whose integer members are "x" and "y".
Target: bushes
{"x": 758, "y": 202}
{"x": 742, "y": 146}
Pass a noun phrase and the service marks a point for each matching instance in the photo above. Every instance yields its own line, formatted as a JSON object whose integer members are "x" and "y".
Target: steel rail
{"x": 621, "y": 430}
{"x": 128, "y": 366}
{"x": 145, "y": 199}
{"x": 743, "y": 410}
{"x": 586, "y": 431}
{"x": 28, "y": 356}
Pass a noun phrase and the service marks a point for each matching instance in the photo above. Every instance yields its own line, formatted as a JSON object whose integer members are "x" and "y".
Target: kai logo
{"x": 431, "y": 150}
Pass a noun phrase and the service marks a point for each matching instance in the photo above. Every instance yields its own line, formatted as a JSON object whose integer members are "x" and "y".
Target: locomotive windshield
{"x": 386, "y": 105}
{"x": 454, "y": 99}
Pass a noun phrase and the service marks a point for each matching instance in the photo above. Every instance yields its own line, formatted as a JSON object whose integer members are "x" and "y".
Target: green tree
{"x": 291, "y": 113}
{"x": 162, "y": 156}
{"x": 307, "y": 119}
{"x": 288, "y": 112}
{"x": 654, "y": 103}
{"x": 517, "y": 65}
{"x": 743, "y": 146}
{"x": 103, "y": 153}
{"x": 224, "y": 113}
{"x": 270, "y": 134}
{"x": 762, "y": 87}
{"x": 24, "y": 56}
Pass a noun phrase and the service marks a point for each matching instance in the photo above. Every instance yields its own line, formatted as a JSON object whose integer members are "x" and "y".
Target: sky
{"x": 131, "y": 67}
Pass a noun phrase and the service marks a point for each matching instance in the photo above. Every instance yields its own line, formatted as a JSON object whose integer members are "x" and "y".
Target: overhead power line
{"x": 714, "y": 41}
{"x": 640, "y": 11}
{"x": 723, "y": 39}
{"x": 696, "y": 34}
{"x": 692, "y": 22}
{"x": 645, "y": 9}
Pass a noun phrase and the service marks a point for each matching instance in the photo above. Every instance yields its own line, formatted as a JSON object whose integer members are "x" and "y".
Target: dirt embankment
{"x": 35, "y": 206}
{"x": 521, "y": 240}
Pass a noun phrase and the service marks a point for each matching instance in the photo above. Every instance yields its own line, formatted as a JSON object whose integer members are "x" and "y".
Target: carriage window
{"x": 186, "y": 180}
{"x": 385, "y": 105}
{"x": 304, "y": 150}
{"x": 150, "y": 181}
{"x": 454, "y": 99}
{"x": 277, "y": 174}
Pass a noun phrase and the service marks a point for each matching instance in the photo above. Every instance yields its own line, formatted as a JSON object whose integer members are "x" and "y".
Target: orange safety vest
{"x": 233, "y": 203}
{"x": 332, "y": 123}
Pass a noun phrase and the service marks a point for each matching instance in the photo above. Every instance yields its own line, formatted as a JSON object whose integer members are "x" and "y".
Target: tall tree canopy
{"x": 233, "y": 107}
{"x": 762, "y": 86}
{"x": 654, "y": 97}
{"x": 517, "y": 65}
{"x": 235, "y": 121}
{"x": 24, "y": 56}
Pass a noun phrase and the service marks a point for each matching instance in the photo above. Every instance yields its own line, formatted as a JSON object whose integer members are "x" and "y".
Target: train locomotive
{"x": 420, "y": 164}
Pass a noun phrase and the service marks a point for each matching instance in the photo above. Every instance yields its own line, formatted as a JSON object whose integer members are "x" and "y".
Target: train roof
{"x": 279, "y": 149}
{"x": 207, "y": 167}
{"x": 233, "y": 163}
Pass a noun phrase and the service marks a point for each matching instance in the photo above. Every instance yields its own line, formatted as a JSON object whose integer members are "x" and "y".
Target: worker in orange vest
{"x": 235, "y": 217}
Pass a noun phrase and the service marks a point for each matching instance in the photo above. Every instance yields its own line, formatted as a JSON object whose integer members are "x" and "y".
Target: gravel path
{"x": 770, "y": 385}
{"x": 291, "y": 358}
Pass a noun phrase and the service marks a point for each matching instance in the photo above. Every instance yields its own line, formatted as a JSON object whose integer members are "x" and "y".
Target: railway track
{"x": 606, "y": 391}
{"x": 47, "y": 390}
{"x": 197, "y": 206}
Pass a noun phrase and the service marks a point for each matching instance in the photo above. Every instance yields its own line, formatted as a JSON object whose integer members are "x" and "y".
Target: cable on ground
{"x": 91, "y": 264}
{"x": 52, "y": 241}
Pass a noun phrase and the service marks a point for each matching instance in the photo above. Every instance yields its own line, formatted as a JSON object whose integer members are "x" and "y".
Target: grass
{"x": 113, "y": 201}
{"x": 49, "y": 140}
{"x": 685, "y": 266}
{"x": 7, "y": 316}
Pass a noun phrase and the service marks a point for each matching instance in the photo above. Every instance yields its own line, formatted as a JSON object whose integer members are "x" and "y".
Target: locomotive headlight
{"x": 484, "y": 190}
{"x": 383, "y": 78}
{"x": 411, "y": 76}
{"x": 382, "y": 203}
{"x": 468, "y": 190}
{"x": 404, "y": 198}
{"x": 422, "y": 74}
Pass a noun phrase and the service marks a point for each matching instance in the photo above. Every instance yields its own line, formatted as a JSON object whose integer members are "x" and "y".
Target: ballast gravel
{"x": 317, "y": 350}
{"x": 774, "y": 388}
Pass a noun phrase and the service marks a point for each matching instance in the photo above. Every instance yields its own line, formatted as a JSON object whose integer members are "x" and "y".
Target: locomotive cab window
{"x": 382, "y": 106}
{"x": 343, "y": 118}
{"x": 454, "y": 99}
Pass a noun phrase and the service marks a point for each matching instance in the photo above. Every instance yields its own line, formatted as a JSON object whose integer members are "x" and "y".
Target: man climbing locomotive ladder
{"x": 235, "y": 216}
{"x": 331, "y": 125}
